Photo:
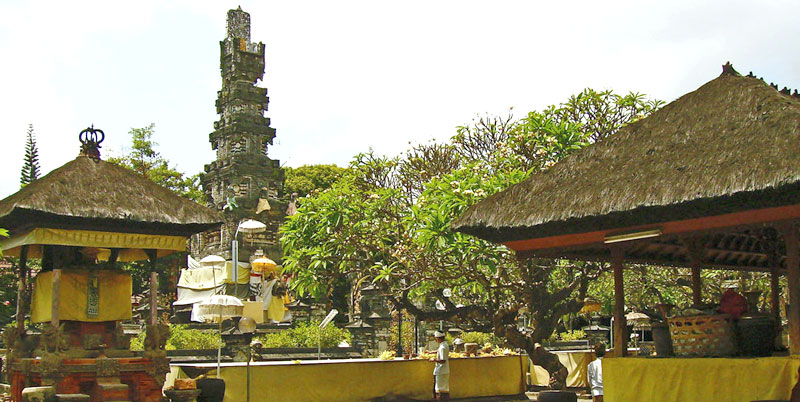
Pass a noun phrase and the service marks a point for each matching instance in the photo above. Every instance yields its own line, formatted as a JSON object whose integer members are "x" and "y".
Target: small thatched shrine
{"x": 81, "y": 220}
{"x": 710, "y": 181}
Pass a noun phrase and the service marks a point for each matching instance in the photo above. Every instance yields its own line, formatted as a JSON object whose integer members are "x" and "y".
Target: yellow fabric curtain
{"x": 114, "y": 290}
{"x": 630, "y": 379}
{"x": 244, "y": 273}
{"x": 285, "y": 381}
{"x": 577, "y": 364}
{"x": 132, "y": 244}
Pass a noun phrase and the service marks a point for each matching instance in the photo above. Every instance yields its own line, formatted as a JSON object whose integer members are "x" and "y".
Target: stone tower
{"x": 243, "y": 181}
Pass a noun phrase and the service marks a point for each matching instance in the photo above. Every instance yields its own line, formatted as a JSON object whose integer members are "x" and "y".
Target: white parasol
{"x": 219, "y": 307}
{"x": 212, "y": 261}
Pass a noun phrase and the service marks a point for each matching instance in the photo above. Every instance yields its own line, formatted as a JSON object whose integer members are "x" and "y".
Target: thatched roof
{"x": 729, "y": 146}
{"x": 88, "y": 193}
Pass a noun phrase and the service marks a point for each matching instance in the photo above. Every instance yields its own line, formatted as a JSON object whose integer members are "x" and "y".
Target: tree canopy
{"x": 142, "y": 158}
{"x": 305, "y": 179}
{"x": 30, "y": 167}
{"x": 387, "y": 221}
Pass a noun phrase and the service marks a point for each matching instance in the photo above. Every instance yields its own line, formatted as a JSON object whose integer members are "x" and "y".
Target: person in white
{"x": 441, "y": 370}
{"x": 595, "y": 373}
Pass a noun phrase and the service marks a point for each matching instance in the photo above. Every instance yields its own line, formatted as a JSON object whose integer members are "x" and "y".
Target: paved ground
{"x": 582, "y": 396}
{"x": 531, "y": 396}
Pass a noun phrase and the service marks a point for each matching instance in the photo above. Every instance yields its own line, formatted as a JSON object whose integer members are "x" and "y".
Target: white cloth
{"x": 257, "y": 286}
{"x": 443, "y": 353}
{"x": 442, "y": 382}
{"x": 595, "y": 374}
{"x": 268, "y": 292}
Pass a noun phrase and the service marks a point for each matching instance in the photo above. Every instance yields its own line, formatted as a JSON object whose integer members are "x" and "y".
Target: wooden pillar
{"x": 56, "y": 297}
{"x": 22, "y": 288}
{"x": 697, "y": 286}
{"x": 696, "y": 254}
{"x": 620, "y": 343}
{"x": 790, "y": 237}
{"x": 775, "y": 293}
{"x": 151, "y": 254}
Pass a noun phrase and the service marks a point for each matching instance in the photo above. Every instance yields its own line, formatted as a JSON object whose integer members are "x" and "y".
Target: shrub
{"x": 305, "y": 335}
{"x": 481, "y": 338}
{"x": 567, "y": 336}
{"x": 181, "y": 338}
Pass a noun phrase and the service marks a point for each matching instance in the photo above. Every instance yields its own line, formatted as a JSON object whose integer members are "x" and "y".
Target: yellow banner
{"x": 630, "y": 379}
{"x": 132, "y": 244}
{"x": 114, "y": 291}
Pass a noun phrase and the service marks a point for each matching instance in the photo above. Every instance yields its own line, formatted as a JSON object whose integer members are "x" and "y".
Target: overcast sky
{"x": 346, "y": 76}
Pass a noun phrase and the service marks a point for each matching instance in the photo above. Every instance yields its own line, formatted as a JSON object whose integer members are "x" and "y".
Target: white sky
{"x": 344, "y": 76}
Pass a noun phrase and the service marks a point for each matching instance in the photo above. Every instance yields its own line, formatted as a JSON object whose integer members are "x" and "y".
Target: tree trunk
{"x": 539, "y": 356}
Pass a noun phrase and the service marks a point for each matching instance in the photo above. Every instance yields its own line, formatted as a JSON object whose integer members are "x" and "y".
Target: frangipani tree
{"x": 387, "y": 220}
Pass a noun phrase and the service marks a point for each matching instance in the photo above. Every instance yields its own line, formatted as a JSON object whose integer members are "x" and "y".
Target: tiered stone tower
{"x": 243, "y": 181}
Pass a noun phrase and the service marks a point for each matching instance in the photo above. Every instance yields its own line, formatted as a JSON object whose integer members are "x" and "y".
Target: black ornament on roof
{"x": 90, "y": 142}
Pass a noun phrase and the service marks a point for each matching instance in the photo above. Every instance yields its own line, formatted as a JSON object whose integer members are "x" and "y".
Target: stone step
{"x": 73, "y": 398}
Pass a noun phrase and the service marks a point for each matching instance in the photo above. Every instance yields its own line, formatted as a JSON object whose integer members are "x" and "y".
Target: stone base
{"x": 73, "y": 398}
{"x": 39, "y": 394}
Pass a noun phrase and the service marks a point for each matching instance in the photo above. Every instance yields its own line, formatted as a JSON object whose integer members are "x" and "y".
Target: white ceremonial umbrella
{"x": 220, "y": 307}
{"x": 212, "y": 261}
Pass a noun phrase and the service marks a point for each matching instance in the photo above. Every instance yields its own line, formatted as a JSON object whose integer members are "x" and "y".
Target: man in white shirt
{"x": 441, "y": 371}
{"x": 595, "y": 373}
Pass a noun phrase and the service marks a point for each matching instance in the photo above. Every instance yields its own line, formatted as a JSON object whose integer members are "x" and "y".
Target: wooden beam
{"x": 152, "y": 256}
{"x": 745, "y": 218}
{"x": 634, "y": 260}
{"x": 56, "y": 297}
{"x": 620, "y": 342}
{"x": 790, "y": 238}
{"x": 775, "y": 294}
{"x": 22, "y": 287}
{"x": 697, "y": 255}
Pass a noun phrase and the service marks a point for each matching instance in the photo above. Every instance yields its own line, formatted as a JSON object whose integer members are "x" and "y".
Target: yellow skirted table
{"x": 700, "y": 379}
{"x": 576, "y": 362}
{"x": 113, "y": 301}
{"x": 367, "y": 379}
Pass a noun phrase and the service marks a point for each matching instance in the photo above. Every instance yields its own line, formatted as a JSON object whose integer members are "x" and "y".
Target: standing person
{"x": 595, "y": 373}
{"x": 441, "y": 371}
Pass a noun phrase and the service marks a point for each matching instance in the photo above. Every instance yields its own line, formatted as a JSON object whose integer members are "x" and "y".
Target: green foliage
{"x": 306, "y": 179}
{"x": 30, "y": 168}
{"x": 568, "y": 336}
{"x": 145, "y": 160}
{"x": 407, "y": 333}
{"x": 388, "y": 220}
{"x": 481, "y": 338}
{"x": 182, "y": 338}
{"x": 306, "y": 335}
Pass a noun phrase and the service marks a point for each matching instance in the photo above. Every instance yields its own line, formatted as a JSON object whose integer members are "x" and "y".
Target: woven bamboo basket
{"x": 702, "y": 335}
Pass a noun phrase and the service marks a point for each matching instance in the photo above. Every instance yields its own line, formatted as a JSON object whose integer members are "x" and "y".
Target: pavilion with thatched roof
{"x": 711, "y": 180}
{"x": 81, "y": 219}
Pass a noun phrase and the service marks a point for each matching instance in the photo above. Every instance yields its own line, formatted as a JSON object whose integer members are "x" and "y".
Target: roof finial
{"x": 90, "y": 142}
{"x": 728, "y": 69}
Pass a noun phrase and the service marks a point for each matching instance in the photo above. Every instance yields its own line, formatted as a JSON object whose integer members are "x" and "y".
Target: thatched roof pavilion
{"x": 710, "y": 180}
{"x": 107, "y": 210}
{"x": 728, "y": 147}
{"x": 91, "y": 195}
{"x": 95, "y": 194}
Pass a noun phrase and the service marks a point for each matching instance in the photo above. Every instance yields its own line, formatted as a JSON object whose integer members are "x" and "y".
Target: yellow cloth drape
{"x": 576, "y": 362}
{"x": 132, "y": 244}
{"x": 254, "y": 310}
{"x": 115, "y": 289}
{"x": 275, "y": 310}
{"x": 244, "y": 273}
{"x": 703, "y": 379}
{"x": 370, "y": 379}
